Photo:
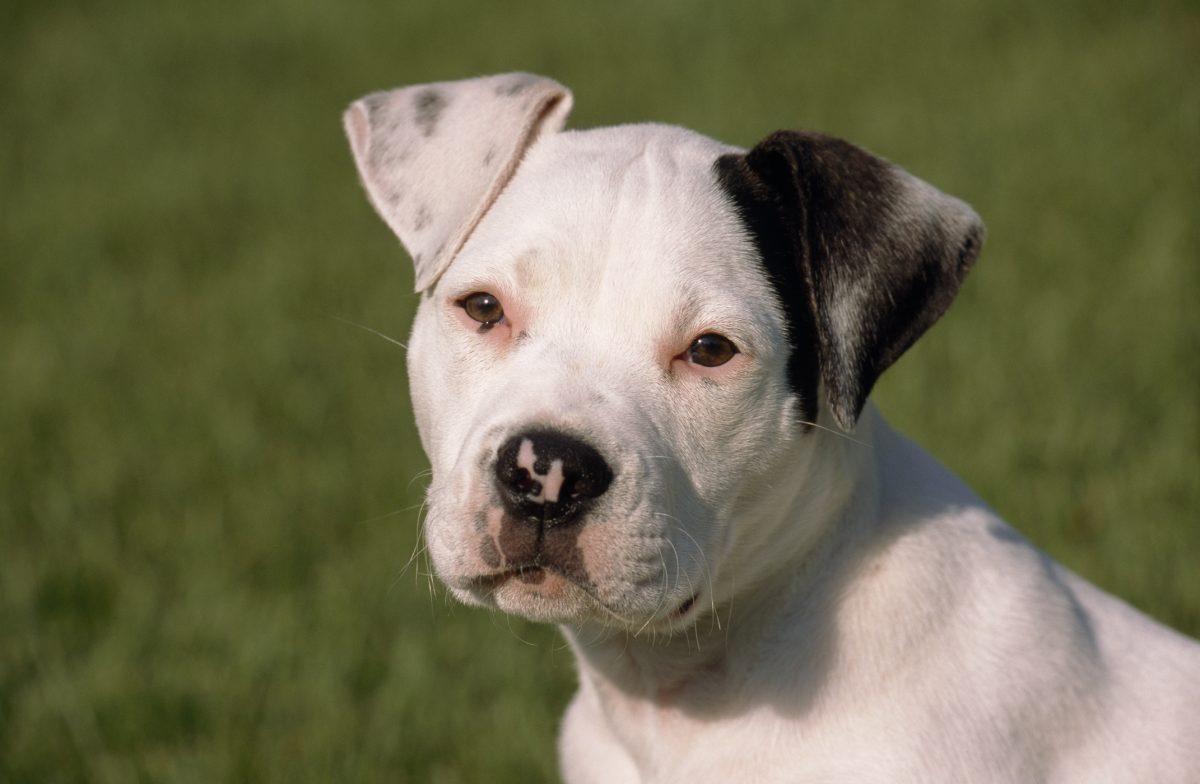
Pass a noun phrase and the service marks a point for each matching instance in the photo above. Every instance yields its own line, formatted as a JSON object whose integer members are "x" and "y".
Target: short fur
{"x": 751, "y": 594}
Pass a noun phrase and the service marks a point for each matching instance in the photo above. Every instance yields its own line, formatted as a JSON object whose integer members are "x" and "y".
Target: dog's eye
{"x": 711, "y": 350}
{"x": 482, "y": 307}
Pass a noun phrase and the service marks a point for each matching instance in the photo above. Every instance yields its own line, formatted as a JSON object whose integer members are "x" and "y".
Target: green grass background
{"x": 208, "y": 483}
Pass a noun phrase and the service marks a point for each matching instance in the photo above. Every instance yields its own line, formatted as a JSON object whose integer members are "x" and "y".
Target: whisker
{"x": 662, "y": 597}
{"x": 419, "y": 475}
{"x": 513, "y": 632}
{"x": 386, "y": 515}
{"x": 420, "y": 546}
{"x": 691, "y": 591}
{"x": 838, "y": 433}
{"x": 707, "y": 573}
{"x": 372, "y": 331}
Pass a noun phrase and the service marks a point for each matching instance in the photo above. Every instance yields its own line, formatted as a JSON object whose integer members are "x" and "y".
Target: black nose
{"x": 549, "y": 477}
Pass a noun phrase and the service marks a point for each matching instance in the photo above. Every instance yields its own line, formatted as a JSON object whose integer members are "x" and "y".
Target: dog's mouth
{"x": 682, "y": 610}
{"x": 512, "y": 587}
{"x": 529, "y": 575}
{"x": 538, "y": 592}
{"x": 533, "y": 580}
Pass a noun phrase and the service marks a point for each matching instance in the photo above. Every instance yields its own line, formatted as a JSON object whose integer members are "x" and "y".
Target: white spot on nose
{"x": 551, "y": 483}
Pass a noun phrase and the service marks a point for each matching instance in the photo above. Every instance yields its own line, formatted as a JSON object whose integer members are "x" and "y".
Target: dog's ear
{"x": 864, "y": 256}
{"x": 434, "y": 157}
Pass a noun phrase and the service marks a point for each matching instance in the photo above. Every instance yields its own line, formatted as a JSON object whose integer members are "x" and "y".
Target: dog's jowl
{"x": 641, "y": 368}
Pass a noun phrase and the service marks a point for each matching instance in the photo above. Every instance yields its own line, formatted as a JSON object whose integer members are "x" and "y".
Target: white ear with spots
{"x": 433, "y": 157}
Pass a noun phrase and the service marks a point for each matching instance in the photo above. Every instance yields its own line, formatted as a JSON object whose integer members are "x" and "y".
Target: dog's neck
{"x": 792, "y": 537}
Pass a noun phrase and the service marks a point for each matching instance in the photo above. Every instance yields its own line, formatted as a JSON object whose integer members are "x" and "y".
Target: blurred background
{"x": 209, "y": 481}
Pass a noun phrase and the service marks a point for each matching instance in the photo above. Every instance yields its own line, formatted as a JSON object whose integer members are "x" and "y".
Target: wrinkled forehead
{"x": 633, "y": 211}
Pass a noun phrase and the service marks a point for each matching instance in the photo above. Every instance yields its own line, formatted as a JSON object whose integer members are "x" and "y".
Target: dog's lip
{"x": 533, "y": 573}
{"x": 488, "y": 585}
{"x": 683, "y": 609}
{"x": 528, "y": 573}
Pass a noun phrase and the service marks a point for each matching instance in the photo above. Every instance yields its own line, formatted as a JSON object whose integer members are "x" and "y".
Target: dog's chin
{"x": 540, "y": 595}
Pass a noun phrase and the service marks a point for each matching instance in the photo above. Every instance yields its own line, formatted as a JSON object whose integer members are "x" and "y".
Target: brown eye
{"x": 711, "y": 350}
{"x": 483, "y": 307}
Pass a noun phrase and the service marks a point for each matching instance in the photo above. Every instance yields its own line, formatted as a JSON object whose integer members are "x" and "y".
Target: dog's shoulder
{"x": 1018, "y": 642}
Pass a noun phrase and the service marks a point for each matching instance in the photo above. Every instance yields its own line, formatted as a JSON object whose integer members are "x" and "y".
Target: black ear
{"x": 864, "y": 257}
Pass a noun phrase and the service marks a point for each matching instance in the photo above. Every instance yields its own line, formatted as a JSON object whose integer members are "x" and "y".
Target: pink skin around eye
{"x": 497, "y": 334}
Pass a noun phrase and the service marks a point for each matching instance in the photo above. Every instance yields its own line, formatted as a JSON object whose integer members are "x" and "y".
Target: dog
{"x": 640, "y": 368}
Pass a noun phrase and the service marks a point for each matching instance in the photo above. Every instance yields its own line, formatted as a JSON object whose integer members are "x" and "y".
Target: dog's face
{"x": 593, "y": 376}
{"x": 623, "y": 334}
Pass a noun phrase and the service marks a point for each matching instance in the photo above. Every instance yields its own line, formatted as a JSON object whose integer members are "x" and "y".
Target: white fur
{"x": 767, "y": 602}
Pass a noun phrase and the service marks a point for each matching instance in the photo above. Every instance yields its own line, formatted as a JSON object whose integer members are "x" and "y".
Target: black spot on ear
{"x": 429, "y": 105}
{"x": 376, "y": 104}
{"x": 393, "y": 194}
{"x": 423, "y": 217}
{"x": 515, "y": 86}
{"x": 395, "y": 156}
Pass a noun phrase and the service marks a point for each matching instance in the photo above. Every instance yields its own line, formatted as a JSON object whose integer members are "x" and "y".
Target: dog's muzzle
{"x": 549, "y": 478}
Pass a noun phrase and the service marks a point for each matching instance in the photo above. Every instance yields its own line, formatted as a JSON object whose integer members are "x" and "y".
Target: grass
{"x": 209, "y": 481}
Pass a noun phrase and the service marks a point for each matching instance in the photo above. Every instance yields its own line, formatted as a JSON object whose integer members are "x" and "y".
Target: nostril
{"x": 549, "y": 475}
{"x": 514, "y": 476}
{"x": 525, "y": 483}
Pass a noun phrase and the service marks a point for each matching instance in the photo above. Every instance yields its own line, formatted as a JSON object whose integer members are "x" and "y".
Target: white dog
{"x": 640, "y": 370}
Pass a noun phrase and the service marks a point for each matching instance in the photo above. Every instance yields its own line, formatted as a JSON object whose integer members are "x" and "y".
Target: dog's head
{"x": 627, "y": 338}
